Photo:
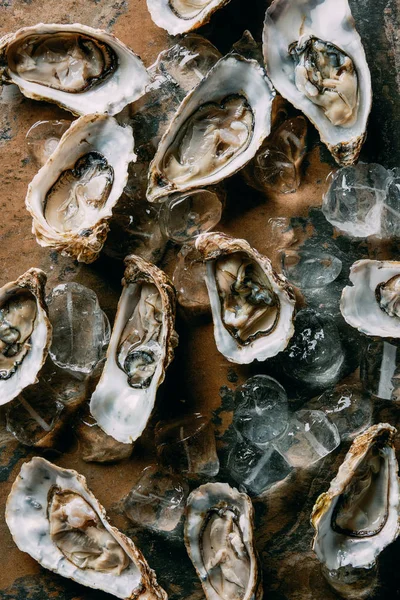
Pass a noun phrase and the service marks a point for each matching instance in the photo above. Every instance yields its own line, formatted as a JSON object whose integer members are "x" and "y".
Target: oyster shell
{"x": 140, "y": 350}
{"x": 25, "y": 333}
{"x": 315, "y": 59}
{"x": 181, "y": 16}
{"x": 53, "y": 516}
{"x": 219, "y": 541}
{"x": 82, "y": 69}
{"x": 359, "y": 515}
{"x": 252, "y": 306}
{"x": 72, "y": 196}
{"x": 372, "y": 303}
{"x": 216, "y": 130}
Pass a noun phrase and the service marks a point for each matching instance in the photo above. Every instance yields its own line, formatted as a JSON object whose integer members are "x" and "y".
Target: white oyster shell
{"x": 219, "y": 541}
{"x": 181, "y": 16}
{"x": 34, "y": 338}
{"x": 124, "y": 85}
{"x": 82, "y": 237}
{"x": 337, "y": 549}
{"x": 233, "y": 77}
{"x": 28, "y": 514}
{"x": 287, "y": 22}
{"x": 147, "y": 304}
{"x": 360, "y": 305}
{"x": 216, "y": 246}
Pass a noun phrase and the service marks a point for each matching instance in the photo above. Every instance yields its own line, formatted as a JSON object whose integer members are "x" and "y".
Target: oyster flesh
{"x": 181, "y": 16}
{"x": 72, "y": 196}
{"x": 252, "y": 306}
{"x": 372, "y": 303}
{"x": 316, "y": 60}
{"x": 25, "y": 333}
{"x": 216, "y": 130}
{"x": 140, "y": 350}
{"x": 53, "y": 516}
{"x": 82, "y": 69}
{"x": 359, "y": 515}
{"x": 219, "y": 541}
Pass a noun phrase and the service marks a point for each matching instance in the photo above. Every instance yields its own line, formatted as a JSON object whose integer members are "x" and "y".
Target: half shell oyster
{"x": 219, "y": 541}
{"x": 181, "y": 16}
{"x": 53, "y": 516}
{"x": 72, "y": 196}
{"x": 140, "y": 350}
{"x": 82, "y": 69}
{"x": 252, "y": 306}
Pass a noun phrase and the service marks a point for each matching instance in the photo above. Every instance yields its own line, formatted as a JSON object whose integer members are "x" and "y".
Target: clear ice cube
{"x": 380, "y": 369}
{"x": 43, "y": 137}
{"x": 261, "y": 412}
{"x": 96, "y": 446}
{"x": 391, "y": 208}
{"x": 81, "y": 330}
{"x": 189, "y": 280}
{"x": 309, "y": 269}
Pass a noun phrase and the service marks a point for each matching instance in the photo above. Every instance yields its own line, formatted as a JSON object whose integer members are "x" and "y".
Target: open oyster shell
{"x": 25, "y": 333}
{"x": 219, "y": 541}
{"x": 252, "y": 306}
{"x": 359, "y": 515}
{"x": 216, "y": 130}
{"x": 315, "y": 59}
{"x": 82, "y": 69}
{"x": 53, "y": 516}
{"x": 372, "y": 303}
{"x": 72, "y": 196}
{"x": 140, "y": 350}
{"x": 181, "y": 16}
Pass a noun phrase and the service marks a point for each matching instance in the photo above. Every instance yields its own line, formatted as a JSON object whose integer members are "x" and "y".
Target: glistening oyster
{"x": 82, "y": 69}
{"x": 25, "y": 333}
{"x": 181, "y": 16}
{"x": 315, "y": 59}
{"x": 252, "y": 306}
{"x": 53, "y": 516}
{"x": 219, "y": 541}
{"x": 140, "y": 350}
{"x": 72, "y": 196}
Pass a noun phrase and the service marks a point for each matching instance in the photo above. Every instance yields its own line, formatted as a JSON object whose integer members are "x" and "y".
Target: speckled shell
{"x": 166, "y": 18}
{"x": 27, "y": 520}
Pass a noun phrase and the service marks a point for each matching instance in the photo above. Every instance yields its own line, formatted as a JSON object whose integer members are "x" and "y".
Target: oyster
{"x": 53, "y": 516}
{"x": 140, "y": 350}
{"x": 25, "y": 333}
{"x": 372, "y": 303}
{"x": 252, "y": 306}
{"x": 219, "y": 541}
{"x": 316, "y": 60}
{"x": 181, "y": 16}
{"x": 82, "y": 69}
{"x": 72, "y": 196}
{"x": 359, "y": 515}
{"x": 217, "y": 129}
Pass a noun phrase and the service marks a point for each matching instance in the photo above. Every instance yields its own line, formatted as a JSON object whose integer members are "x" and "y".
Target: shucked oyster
{"x": 252, "y": 306}
{"x": 316, "y": 60}
{"x": 73, "y": 195}
{"x": 219, "y": 541}
{"x": 140, "y": 350}
{"x": 53, "y": 516}
{"x": 217, "y": 129}
{"x": 181, "y": 16}
{"x": 372, "y": 303}
{"x": 359, "y": 515}
{"x": 81, "y": 69}
{"x": 25, "y": 333}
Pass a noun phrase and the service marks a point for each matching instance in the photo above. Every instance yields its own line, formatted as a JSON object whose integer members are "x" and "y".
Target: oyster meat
{"x": 53, "y": 516}
{"x": 316, "y": 60}
{"x": 252, "y": 306}
{"x": 25, "y": 333}
{"x": 359, "y": 515}
{"x": 181, "y": 16}
{"x": 73, "y": 195}
{"x": 219, "y": 541}
{"x": 140, "y": 350}
{"x": 82, "y": 69}
{"x": 217, "y": 129}
{"x": 372, "y": 303}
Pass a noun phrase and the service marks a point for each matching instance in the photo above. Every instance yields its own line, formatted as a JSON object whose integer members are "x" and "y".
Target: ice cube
{"x": 310, "y": 269}
{"x": 380, "y": 370}
{"x": 189, "y": 280}
{"x": 43, "y": 137}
